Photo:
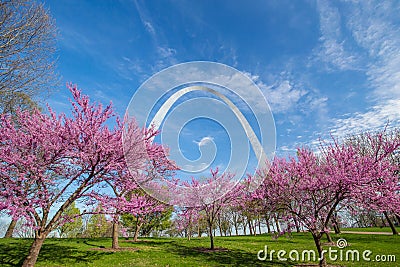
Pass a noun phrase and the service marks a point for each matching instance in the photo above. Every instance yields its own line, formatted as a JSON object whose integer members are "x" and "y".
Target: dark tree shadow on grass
{"x": 224, "y": 257}
{"x": 86, "y": 242}
{"x": 14, "y": 253}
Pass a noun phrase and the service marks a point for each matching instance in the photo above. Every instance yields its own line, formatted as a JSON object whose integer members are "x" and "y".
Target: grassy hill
{"x": 231, "y": 251}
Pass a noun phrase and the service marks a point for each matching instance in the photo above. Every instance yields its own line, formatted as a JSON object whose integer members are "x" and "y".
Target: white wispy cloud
{"x": 378, "y": 116}
{"x": 165, "y": 55}
{"x": 145, "y": 18}
{"x": 204, "y": 141}
{"x": 285, "y": 94}
{"x": 332, "y": 49}
{"x": 372, "y": 26}
{"x": 149, "y": 27}
{"x": 229, "y": 54}
{"x": 166, "y": 51}
{"x": 376, "y": 33}
{"x": 128, "y": 68}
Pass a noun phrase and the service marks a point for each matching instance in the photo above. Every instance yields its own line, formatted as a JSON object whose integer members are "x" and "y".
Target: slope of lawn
{"x": 232, "y": 251}
{"x": 371, "y": 229}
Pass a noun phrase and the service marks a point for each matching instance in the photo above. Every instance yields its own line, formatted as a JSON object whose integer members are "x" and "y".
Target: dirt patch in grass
{"x": 115, "y": 249}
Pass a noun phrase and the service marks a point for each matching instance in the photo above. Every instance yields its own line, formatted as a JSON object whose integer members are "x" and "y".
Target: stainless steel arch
{"x": 155, "y": 98}
{"x": 255, "y": 143}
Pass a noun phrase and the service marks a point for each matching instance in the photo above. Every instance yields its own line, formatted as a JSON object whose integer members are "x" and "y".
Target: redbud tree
{"x": 312, "y": 186}
{"x": 211, "y": 196}
{"x": 48, "y": 161}
{"x": 146, "y": 159}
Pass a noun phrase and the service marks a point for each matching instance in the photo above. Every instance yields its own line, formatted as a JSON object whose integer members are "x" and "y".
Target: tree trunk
{"x": 374, "y": 222}
{"x": 397, "y": 218}
{"x": 198, "y": 230}
{"x": 296, "y": 224}
{"x": 137, "y": 230}
{"x": 317, "y": 241}
{"x": 328, "y": 236}
{"x": 115, "y": 244}
{"x": 250, "y": 228}
{"x": 335, "y": 223}
{"x": 219, "y": 225}
{"x": 253, "y": 225}
{"x": 10, "y": 229}
{"x": 31, "y": 259}
{"x": 268, "y": 225}
{"x": 394, "y": 230}
{"x": 383, "y": 222}
{"x": 236, "y": 228}
{"x": 336, "y": 228}
{"x": 189, "y": 230}
{"x": 278, "y": 227}
{"x": 259, "y": 225}
{"x": 211, "y": 234}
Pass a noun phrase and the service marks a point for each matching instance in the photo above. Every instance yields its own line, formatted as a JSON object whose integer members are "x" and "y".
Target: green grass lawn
{"x": 371, "y": 229}
{"x": 237, "y": 251}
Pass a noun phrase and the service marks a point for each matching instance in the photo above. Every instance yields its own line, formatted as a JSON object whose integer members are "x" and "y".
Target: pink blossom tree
{"x": 211, "y": 196}
{"x": 146, "y": 160}
{"x": 186, "y": 219}
{"x": 50, "y": 161}
{"x": 380, "y": 145}
{"x": 253, "y": 206}
{"x": 311, "y": 186}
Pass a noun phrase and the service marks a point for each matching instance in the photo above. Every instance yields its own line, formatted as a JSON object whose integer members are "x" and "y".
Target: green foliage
{"x": 154, "y": 222}
{"x": 98, "y": 226}
{"x": 74, "y": 228}
{"x": 157, "y": 222}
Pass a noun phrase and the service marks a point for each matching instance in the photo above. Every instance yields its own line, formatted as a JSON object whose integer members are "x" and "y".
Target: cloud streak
{"x": 332, "y": 51}
{"x": 204, "y": 141}
{"x": 371, "y": 24}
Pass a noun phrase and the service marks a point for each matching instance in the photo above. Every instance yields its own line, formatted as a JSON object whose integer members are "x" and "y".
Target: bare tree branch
{"x": 27, "y": 48}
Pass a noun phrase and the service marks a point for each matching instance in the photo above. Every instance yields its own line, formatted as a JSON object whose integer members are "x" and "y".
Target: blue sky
{"x": 325, "y": 67}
